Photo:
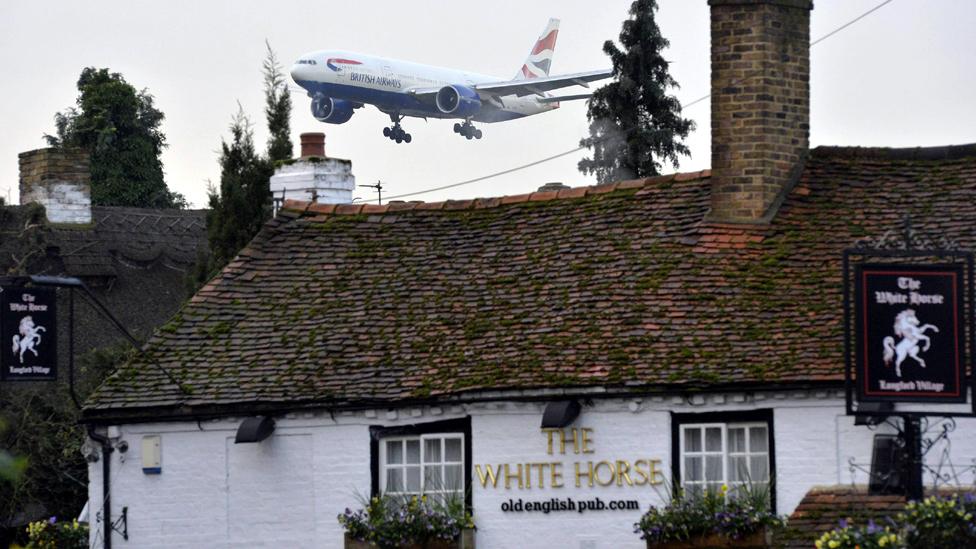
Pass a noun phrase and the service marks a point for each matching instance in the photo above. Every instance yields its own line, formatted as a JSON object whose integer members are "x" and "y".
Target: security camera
{"x": 122, "y": 446}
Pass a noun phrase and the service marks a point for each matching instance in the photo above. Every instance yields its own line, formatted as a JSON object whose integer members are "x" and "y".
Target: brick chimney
{"x": 59, "y": 180}
{"x": 314, "y": 177}
{"x": 760, "y": 104}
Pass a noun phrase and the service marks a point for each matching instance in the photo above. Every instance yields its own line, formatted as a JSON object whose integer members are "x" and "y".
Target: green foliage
{"x": 849, "y": 536}
{"x": 940, "y": 522}
{"x": 633, "y": 120}
{"x": 10, "y": 467}
{"x": 119, "y": 126}
{"x": 243, "y": 203}
{"x": 391, "y": 521}
{"x": 688, "y": 517}
{"x": 43, "y": 427}
{"x": 277, "y": 109}
{"x": 51, "y": 534}
{"x": 932, "y": 522}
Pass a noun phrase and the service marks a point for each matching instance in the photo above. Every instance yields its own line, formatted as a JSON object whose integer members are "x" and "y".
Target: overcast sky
{"x": 903, "y": 76}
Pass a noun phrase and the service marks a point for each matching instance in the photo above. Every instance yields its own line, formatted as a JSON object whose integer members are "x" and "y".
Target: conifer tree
{"x": 277, "y": 108}
{"x": 119, "y": 126}
{"x": 634, "y": 123}
{"x": 242, "y": 204}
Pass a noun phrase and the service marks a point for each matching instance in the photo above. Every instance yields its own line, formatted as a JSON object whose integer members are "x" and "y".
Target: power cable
{"x": 577, "y": 149}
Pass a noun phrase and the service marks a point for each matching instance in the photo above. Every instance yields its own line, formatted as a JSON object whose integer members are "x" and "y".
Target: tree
{"x": 633, "y": 120}
{"x": 119, "y": 126}
{"x": 243, "y": 203}
{"x": 277, "y": 108}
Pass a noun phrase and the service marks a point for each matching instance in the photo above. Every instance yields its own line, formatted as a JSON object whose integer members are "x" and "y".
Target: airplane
{"x": 339, "y": 82}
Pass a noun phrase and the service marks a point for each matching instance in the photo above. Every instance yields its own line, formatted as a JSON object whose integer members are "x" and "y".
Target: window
{"x": 426, "y": 464}
{"x": 712, "y": 450}
{"x": 424, "y": 458}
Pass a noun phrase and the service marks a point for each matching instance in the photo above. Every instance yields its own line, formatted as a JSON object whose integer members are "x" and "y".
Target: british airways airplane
{"x": 340, "y": 82}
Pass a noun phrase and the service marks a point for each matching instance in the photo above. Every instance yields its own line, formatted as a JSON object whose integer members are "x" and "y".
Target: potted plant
{"x": 398, "y": 522}
{"x": 709, "y": 520}
{"x": 50, "y": 533}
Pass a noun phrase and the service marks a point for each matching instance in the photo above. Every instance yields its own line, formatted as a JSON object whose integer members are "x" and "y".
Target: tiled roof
{"x": 624, "y": 287}
{"x": 823, "y": 508}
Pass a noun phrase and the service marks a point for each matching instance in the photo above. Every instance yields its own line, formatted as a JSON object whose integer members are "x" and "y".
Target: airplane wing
{"x": 530, "y": 86}
{"x": 538, "y": 86}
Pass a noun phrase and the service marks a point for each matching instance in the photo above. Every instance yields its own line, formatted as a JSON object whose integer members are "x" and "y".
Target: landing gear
{"x": 395, "y": 132}
{"x": 467, "y": 130}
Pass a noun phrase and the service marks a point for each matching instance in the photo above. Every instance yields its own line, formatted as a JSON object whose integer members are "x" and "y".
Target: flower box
{"x": 715, "y": 541}
{"x": 465, "y": 541}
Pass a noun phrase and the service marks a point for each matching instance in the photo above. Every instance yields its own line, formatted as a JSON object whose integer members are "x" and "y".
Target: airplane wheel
{"x": 457, "y": 128}
{"x": 468, "y": 136}
{"x": 407, "y": 138}
{"x": 477, "y": 134}
{"x": 386, "y": 132}
{"x": 399, "y": 139}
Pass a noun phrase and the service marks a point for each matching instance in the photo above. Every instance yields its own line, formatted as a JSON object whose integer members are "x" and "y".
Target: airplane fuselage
{"x": 387, "y": 84}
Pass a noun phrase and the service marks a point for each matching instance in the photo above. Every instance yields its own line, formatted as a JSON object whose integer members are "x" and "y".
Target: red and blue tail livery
{"x": 339, "y": 82}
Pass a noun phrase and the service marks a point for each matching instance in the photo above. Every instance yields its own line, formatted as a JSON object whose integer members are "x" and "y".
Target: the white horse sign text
{"x": 909, "y": 326}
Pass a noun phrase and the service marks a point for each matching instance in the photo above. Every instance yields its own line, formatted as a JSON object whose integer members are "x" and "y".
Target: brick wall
{"x": 60, "y": 181}
{"x": 760, "y": 102}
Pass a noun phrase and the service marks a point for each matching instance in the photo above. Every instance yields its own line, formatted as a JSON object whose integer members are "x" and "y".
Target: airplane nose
{"x": 299, "y": 73}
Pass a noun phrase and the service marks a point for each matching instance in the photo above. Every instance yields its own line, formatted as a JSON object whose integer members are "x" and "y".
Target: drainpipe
{"x": 106, "y": 489}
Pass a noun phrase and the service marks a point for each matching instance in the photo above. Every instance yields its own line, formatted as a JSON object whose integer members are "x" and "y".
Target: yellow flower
{"x": 833, "y": 544}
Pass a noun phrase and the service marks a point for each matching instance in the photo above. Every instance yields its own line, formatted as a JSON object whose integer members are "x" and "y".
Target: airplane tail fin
{"x": 540, "y": 58}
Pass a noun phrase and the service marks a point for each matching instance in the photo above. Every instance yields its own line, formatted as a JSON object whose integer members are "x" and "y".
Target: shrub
{"x": 686, "y": 517}
{"x": 860, "y": 537}
{"x": 940, "y": 522}
{"x": 51, "y": 534}
{"x": 393, "y": 521}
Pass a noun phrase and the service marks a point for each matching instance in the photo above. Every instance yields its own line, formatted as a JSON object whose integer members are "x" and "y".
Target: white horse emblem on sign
{"x": 907, "y": 327}
{"x": 29, "y": 338}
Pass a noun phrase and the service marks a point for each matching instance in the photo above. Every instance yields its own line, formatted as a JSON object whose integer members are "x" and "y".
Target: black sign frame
{"x": 870, "y": 316}
{"x": 36, "y": 341}
{"x": 901, "y": 257}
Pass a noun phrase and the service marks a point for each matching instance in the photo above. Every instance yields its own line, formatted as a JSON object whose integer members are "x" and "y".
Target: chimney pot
{"x": 313, "y": 144}
{"x": 553, "y": 186}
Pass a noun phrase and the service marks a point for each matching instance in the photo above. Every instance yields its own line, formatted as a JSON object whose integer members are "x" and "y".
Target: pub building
{"x": 562, "y": 359}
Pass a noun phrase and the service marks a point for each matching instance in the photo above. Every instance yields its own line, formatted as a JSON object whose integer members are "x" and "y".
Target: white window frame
{"x": 384, "y": 466}
{"x": 725, "y": 453}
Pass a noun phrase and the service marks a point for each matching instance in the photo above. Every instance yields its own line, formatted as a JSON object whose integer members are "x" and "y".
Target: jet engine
{"x": 331, "y": 111}
{"x": 459, "y": 101}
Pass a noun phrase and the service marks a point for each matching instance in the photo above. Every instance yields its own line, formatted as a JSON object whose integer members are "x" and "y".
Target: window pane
{"x": 758, "y": 439}
{"x": 713, "y": 468}
{"x": 694, "y": 490}
{"x": 713, "y": 439}
{"x": 693, "y": 468}
{"x": 737, "y": 439}
{"x": 760, "y": 468}
{"x": 394, "y": 451}
{"x": 413, "y": 479}
{"x": 432, "y": 450}
{"x": 714, "y": 487}
{"x": 738, "y": 469}
{"x": 394, "y": 480}
{"x": 413, "y": 451}
{"x": 693, "y": 440}
{"x": 452, "y": 449}
{"x": 452, "y": 478}
{"x": 432, "y": 478}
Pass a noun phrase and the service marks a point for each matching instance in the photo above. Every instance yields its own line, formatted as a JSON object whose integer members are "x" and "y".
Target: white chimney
{"x": 314, "y": 177}
{"x": 59, "y": 180}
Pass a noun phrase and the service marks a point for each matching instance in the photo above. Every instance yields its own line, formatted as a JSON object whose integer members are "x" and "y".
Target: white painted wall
{"x": 288, "y": 490}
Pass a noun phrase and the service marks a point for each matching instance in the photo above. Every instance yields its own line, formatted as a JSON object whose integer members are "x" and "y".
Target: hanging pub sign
{"x": 28, "y": 326}
{"x": 909, "y": 332}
